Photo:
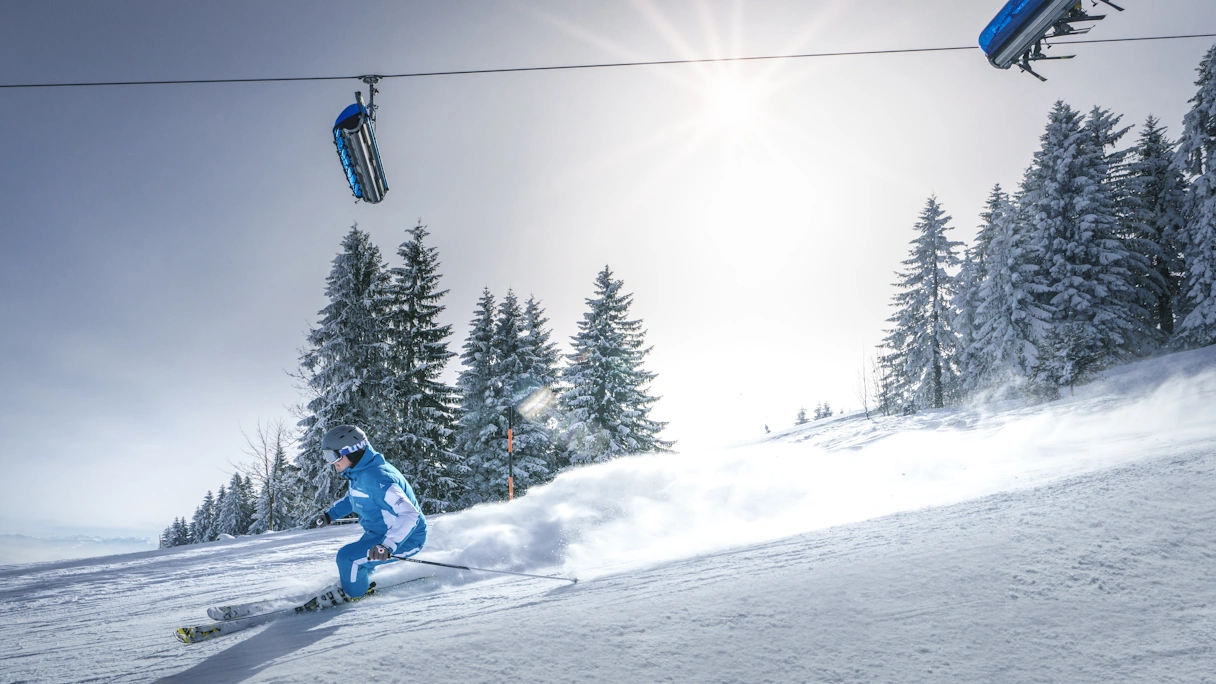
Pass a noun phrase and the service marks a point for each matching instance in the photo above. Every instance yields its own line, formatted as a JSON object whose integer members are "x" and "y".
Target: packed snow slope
{"x": 1072, "y": 542}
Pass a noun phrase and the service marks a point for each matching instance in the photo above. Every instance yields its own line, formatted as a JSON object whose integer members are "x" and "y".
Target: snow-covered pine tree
{"x": 1156, "y": 195}
{"x": 605, "y": 406}
{"x": 477, "y": 428}
{"x": 502, "y": 369}
{"x": 923, "y": 343}
{"x": 202, "y": 524}
{"x": 424, "y": 405}
{"x": 1140, "y": 299}
{"x": 539, "y": 377}
{"x": 218, "y": 506}
{"x": 197, "y": 521}
{"x": 250, "y": 495}
{"x": 345, "y": 368}
{"x": 514, "y": 362}
{"x": 1072, "y": 218}
{"x": 166, "y": 537}
{"x": 1197, "y": 155}
{"x": 181, "y": 532}
{"x": 232, "y": 516}
{"x": 1008, "y": 318}
{"x": 801, "y": 418}
{"x": 970, "y": 281}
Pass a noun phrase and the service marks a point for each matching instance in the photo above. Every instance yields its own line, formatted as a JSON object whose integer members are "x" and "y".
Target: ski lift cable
{"x": 568, "y": 67}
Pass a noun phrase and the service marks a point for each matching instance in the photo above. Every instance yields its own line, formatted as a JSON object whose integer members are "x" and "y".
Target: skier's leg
{"x": 354, "y": 567}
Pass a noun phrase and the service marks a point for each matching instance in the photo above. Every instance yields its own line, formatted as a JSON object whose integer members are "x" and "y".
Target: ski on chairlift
{"x": 1020, "y": 31}
{"x": 355, "y": 138}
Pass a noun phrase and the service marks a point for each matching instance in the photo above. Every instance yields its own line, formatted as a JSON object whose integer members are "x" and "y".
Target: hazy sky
{"x": 165, "y": 247}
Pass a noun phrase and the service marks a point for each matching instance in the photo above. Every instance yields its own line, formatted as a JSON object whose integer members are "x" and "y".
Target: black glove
{"x": 378, "y": 552}
{"x": 321, "y": 521}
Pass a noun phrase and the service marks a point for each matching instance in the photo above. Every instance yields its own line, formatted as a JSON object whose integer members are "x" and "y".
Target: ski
{"x": 264, "y": 607}
{"x": 329, "y": 597}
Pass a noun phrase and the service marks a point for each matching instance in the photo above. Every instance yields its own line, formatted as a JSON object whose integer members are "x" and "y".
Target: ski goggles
{"x": 332, "y": 455}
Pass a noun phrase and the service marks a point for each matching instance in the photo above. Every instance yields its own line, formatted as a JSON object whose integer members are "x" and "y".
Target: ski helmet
{"x": 343, "y": 440}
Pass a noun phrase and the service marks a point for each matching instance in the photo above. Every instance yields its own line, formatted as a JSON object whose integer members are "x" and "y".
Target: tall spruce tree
{"x": 424, "y": 406}
{"x": 923, "y": 342}
{"x": 203, "y": 524}
{"x": 1008, "y": 318}
{"x": 506, "y": 359}
{"x": 166, "y": 537}
{"x": 235, "y": 511}
{"x": 968, "y": 298}
{"x": 539, "y": 378}
{"x": 1156, "y": 193}
{"x": 518, "y": 363}
{"x": 181, "y": 532}
{"x": 477, "y": 435}
{"x": 219, "y": 506}
{"x": 605, "y": 405}
{"x": 346, "y": 367}
{"x": 1071, "y": 208}
{"x": 1197, "y": 155}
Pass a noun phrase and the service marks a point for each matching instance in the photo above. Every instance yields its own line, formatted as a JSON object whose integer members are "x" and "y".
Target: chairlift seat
{"x": 360, "y": 157}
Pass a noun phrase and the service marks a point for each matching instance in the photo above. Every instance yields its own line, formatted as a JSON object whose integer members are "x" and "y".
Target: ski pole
{"x": 572, "y": 580}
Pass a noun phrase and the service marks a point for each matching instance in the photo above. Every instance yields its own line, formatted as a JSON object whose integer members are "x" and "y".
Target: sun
{"x": 731, "y": 105}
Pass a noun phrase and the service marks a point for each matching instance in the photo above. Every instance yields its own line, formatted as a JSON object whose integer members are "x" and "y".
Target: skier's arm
{"x": 341, "y": 508}
{"x": 406, "y": 516}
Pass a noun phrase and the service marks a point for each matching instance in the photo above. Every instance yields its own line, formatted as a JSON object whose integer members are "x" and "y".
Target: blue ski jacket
{"x": 385, "y": 503}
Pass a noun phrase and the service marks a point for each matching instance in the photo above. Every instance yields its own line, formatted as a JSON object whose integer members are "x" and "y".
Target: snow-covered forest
{"x": 375, "y": 359}
{"x": 1105, "y": 253}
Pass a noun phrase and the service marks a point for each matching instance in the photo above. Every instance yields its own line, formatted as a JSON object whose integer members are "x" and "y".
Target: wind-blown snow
{"x": 1071, "y": 541}
{"x": 648, "y": 510}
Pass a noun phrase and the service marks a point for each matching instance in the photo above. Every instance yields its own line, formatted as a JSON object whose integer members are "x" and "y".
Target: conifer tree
{"x": 801, "y": 419}
{"x": 538, "y": 380}
{"x": 1072, "y": 218}
{"x": 345, "y": 368}
{"x": 181, "y": 532}
{"x": 204, "y": 520}
{"x": 1197, "y": 154}
{"x": 515, "y": 363}
{"x": 507, "y": 358}
{"x": 1156, "y": 195}
{"x": 218, "y": 506}
{"x": 250, "y": 495}
{"x": 166, "y": 537}
{"x": 970, "y": 281}
{"x": 424, "y": 405}
{"x": 923, "y": 342}
{"x": 480, "y": 401}
{"x": 1008, "y": 319}
{"x": 605, "y": 405}
{"x": 233, "y": 515}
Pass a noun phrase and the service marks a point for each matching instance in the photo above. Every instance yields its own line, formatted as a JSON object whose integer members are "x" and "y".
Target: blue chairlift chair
{"x": 1015, "y": 37}
{"x": 356, "y": 142}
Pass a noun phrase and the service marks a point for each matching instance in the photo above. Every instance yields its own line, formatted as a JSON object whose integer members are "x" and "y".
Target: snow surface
{"x": 1067, "y": 542}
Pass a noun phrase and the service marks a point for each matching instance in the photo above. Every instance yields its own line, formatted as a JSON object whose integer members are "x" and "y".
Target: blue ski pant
{"x": 354, "y": 568}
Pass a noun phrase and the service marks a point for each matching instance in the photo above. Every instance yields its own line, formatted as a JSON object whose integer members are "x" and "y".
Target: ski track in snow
{"x": 1069, "y": 542}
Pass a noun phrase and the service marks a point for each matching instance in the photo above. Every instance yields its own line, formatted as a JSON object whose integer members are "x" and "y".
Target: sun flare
{"x": 731, "y": 105}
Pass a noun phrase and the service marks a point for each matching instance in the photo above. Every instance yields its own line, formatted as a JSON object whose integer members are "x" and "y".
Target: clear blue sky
{"x": 164, "y": 248}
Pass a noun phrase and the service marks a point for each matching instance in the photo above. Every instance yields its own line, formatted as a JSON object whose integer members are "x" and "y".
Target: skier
{"x": 392, "y": 523}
